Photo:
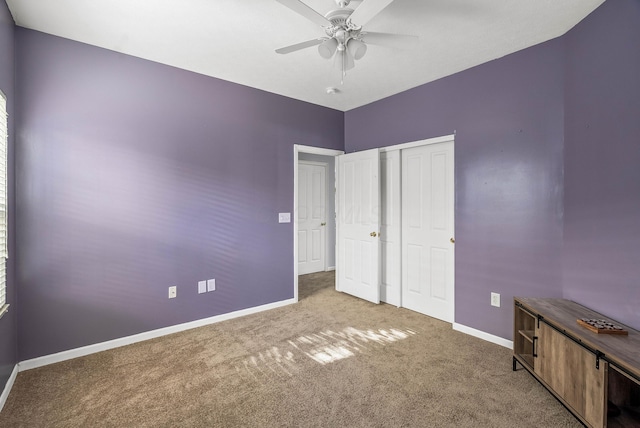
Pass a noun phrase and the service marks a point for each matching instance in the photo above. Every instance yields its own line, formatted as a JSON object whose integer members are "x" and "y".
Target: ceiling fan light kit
{"x": 345, "y": 41}
{"x": 357, "y": 48}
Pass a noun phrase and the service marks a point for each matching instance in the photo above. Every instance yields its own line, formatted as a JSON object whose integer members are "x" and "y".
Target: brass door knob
{"x": 452, "y": 240}
{"x": 373, "y": 234}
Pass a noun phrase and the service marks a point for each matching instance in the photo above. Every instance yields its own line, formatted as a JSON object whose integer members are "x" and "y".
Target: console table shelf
{"x": 596, "y": 376}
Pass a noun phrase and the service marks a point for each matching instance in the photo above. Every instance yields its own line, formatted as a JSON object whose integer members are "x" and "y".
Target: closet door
{"x": 428, "y": 230}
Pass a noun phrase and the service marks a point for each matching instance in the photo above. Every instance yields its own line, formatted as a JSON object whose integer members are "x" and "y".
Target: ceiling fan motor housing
{"x": 340, "y": 25}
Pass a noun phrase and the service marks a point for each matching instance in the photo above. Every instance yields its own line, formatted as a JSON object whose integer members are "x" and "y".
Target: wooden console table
{"x": 596, "y": 376}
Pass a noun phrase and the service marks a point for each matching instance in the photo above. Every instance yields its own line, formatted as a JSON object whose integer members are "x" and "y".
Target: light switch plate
{"x": 202, "y": 287}
{"x": 211, "y": 285}
{"x": 284, "y": 217}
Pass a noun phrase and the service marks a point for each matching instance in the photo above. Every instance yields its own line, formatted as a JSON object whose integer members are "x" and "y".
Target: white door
{"x": 358, "y": 225}
{"x": 427, "y": 230}
{"x": 312, "y": 219}
{"x": 390, "y": 232}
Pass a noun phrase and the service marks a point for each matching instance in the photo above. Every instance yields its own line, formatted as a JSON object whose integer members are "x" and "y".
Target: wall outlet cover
{"x": 173, "y": 292}
{"x": 495, "y": 299}
{"x": 211, "y": 285}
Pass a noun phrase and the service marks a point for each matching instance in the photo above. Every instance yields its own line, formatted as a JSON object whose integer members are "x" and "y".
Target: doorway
{"x": 308, "y": 154}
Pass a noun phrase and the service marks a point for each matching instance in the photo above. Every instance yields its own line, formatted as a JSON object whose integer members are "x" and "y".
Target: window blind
{"x": 3, "y": 200}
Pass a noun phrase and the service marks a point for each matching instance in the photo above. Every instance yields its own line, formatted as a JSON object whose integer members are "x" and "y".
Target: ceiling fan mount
{"x": 343, "y": 3}
{"x": 343, "y": 27}
{"x": 340, "y": 18}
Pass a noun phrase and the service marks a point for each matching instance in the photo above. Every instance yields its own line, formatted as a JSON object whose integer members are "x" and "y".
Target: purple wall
{"x": 135, "y": 176}
{"x": 508, "y": 118}
{"x": 602, "y": 162}
{"x": 522, "y": 226}
{"x": 8, "y": 323}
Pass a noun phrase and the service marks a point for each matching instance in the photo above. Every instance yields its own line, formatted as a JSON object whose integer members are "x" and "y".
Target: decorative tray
{"x": 601, "y": 326}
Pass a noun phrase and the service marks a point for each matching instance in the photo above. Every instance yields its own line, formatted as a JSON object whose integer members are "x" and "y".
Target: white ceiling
{"x": 235, "y": 40}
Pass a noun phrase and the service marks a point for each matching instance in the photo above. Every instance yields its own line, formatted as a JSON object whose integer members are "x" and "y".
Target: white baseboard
{"x": 330, "y": 268}
{"x": 128, "y": 340}
{"x": 482, "y": 335}
{"x": 8, "y": 386}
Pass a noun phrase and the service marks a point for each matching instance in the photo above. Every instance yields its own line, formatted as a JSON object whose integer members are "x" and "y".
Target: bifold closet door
{"x": 428, "y": 230}
{"x": 390, "y": 228}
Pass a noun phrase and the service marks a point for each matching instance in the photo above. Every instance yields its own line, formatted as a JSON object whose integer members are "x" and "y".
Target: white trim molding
{"x": 8, "y": 386}
{"x": 483, "y": 335}
{"x": 316, "y": 150}
{"x": 123, "y": 341}
{"x": 403, "y": 146}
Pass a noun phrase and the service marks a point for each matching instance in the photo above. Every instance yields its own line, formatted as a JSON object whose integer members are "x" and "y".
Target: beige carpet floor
{"x": 329, "y": 361}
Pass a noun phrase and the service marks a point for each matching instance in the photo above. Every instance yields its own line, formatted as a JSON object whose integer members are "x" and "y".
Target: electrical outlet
{"x": 173, "y": 292}
{"x": 202, "y": 287}
{"x": 495, "y": 299}
{"x": 211, "y": 285}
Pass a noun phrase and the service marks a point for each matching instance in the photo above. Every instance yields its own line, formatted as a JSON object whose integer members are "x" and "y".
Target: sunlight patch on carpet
{"x": 325, "y": 347}
{"x": 329, "y": 346}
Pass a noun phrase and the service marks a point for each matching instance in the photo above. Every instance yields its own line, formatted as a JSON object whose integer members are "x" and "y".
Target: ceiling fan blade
{"x": 367, "y": 10}
{"x": 304, "y": 10}
{"x": 399, "y": 41}
{"x": 299, "y": 46}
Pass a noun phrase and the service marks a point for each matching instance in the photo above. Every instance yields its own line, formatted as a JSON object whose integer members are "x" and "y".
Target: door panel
{"x": 302, "y": 246}
{"x": 438, "y": 263}
{"x": 316, "y": 244}
{"x": 311, "y": 217}
{"x": 358, "y": 213}
{"x": 427, "y": 227}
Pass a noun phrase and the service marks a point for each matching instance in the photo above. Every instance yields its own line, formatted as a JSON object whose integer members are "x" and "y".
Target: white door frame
{"x": 298, "y": 148}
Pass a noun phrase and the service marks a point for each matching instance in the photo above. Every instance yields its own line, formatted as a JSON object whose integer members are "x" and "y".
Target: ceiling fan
{"x": 345, "y": 39}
